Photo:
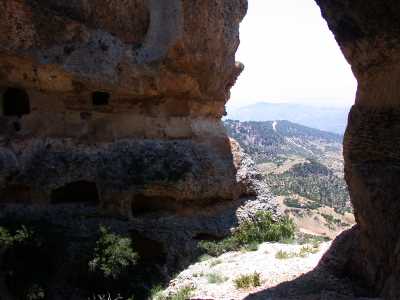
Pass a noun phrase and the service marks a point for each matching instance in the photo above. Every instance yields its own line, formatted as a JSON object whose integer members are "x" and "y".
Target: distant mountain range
{"x": 333, "y": 119}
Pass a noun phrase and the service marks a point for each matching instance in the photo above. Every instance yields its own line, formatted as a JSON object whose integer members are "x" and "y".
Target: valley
{"x": 303, "y": 168}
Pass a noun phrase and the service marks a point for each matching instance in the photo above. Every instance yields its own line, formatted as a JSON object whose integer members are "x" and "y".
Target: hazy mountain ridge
{"x": 332, "y": 119}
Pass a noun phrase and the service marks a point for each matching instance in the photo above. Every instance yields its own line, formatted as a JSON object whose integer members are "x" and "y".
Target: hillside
{"x": 303, "y": 168}
{"x": 333, "y": 119}
{"x": 276, "y": 141}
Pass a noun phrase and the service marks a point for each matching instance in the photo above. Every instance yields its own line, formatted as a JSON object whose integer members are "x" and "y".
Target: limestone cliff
{"x": 123, "y": 95}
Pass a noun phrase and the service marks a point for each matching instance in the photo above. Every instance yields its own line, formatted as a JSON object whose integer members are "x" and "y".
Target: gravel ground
{"x": 231, "y": 265}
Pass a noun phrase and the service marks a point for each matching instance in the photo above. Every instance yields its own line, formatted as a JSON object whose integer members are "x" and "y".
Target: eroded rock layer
{"x": 125, "y": 95}
{"x": 369, "y": 36}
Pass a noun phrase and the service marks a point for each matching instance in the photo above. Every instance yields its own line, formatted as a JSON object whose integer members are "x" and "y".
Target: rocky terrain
{"x": 214, "y": 278}
{"x": 87, "y": 86}
{"x": 303, "y": 168}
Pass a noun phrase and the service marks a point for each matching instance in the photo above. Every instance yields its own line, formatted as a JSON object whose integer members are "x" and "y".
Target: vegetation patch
{"x": 215, "y": 262}
{"x": 263, "y": 228}
{"x": 248, "y": 281}
{"x": 182, "y": 294}
{"x": 113, "y": 254}
{"x": 215, "y": 278}
{"x": 304, "y": 252}
{"x": 313, "y": 181}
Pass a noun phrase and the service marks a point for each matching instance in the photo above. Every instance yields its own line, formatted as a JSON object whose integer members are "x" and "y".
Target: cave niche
{"x": 16, "y": 102}
{"x": 84, "y": 192}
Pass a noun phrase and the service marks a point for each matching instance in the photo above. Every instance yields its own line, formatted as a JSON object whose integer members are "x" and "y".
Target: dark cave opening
{"x": 100, "y": 98}
{"x": 76, "y": 192}
{"x": 16, "y": 102}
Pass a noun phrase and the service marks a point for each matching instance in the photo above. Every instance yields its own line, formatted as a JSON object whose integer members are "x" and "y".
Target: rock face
{"x": 121, "y": 101}
{"x": 125, "y": 96}
{"x": 369, "y": 36}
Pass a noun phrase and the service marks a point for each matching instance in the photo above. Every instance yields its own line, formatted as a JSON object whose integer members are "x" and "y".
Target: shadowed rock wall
{"x": 368, "y": 33}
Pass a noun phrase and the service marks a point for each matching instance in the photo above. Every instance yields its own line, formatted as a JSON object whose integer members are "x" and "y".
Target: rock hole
{"x": 100, "y": 98}
{"x": 16, "y": 102}
{"x": 76, "y": 192}
{"x": 149, "y": 250}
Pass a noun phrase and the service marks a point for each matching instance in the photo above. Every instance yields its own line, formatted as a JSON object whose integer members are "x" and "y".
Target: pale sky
{"x": 290, "y": 56}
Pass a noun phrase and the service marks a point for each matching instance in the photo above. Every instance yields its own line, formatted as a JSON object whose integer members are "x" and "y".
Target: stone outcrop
{"x": 110, "y": 114}
{"x": 122, "y": 100}
{"x": 369, "y": 36}
{"x": 124, "y": 95}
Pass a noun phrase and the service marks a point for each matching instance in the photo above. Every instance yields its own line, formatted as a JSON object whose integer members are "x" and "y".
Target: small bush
{"x": 284, "y": 255}
{"x": 291, "y": 202}
{"x": 220, "y": 247}
{"x": 248, "y": 281}
{"x": 263, "y": 228}
{"x": 215, "y": 262}
{"x": 204, "y": 257}
{"x": 113, "y": 254}
{"x": 311, "y": 239}
{"x": 251, "y": 247}
{"x": 35, "y": 293}
{"x": 305, "y": 250}
{"x": 215, "y": 278}
{"x": 182, "y": 294}
{"x": 21, "y": 235}
{"x": 156, "y": 293}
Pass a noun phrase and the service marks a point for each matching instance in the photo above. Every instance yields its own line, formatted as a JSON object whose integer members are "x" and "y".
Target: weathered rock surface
{"x": 124, "y": 95}
{"x": 128, "y": 96}
{"x": 369, "y": 36}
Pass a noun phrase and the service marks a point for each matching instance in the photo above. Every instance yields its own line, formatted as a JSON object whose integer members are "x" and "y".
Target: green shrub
{"x": 215, "y": 262}
{"x": 215, "y": 278}
{"x": 305, "y": 238}
{"x": 182, "y": 294}
{"x": 220, "y": 247}
{"x": 263, "y": 228}
{"x": 248, "y": 281}
{"x": 251, "y": 247}
{"x": 291, "y": 202}
{"x": 113, "y": 254}
{"x": 305, "y": 250}
{"x": 21, "y": 235}
{"x": 156, "y": 293}
{"x": 35, "y": 293}
{"x": 284, "y": 254}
